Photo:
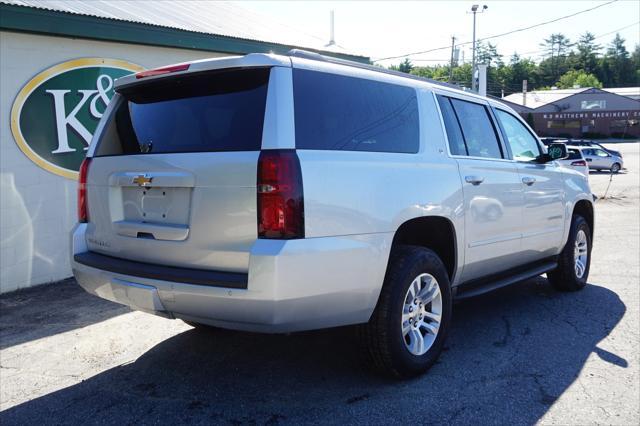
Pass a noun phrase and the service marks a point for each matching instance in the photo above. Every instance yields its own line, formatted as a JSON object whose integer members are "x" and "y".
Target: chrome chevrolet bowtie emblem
{"x": 143, "y": 180}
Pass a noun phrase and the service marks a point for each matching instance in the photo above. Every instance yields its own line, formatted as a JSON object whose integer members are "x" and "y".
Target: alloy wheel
{"x": 421, "y": 314}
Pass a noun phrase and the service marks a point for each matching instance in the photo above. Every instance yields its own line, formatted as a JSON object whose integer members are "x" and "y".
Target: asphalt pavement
{"x": 524, "y": 354}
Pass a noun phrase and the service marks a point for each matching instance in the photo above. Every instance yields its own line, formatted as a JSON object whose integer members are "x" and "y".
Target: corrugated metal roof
{"x": 629, "y": 92}
{"x": 538, "y": 98}
{"x": 206, "y": 17}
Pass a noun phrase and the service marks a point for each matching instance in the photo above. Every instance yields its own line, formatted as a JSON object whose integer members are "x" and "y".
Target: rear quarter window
{"x": 335, "y": 112}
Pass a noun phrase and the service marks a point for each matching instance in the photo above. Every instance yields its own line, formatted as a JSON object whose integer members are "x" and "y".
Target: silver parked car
{"x": 599, "y": 159}
{"x": 283, "y": 193}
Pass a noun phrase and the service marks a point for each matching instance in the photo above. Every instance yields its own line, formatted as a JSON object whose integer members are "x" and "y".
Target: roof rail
{"x": 305, "y": 54}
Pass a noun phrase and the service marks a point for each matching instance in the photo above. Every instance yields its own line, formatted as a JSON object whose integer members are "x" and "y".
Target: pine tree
{"x": 587, "y": 55}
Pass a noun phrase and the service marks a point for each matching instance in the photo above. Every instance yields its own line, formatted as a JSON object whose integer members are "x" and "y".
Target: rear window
{"x": 574, "y": 154}
{"x": 334, "y": 112}
{"x": 219, "y": 111}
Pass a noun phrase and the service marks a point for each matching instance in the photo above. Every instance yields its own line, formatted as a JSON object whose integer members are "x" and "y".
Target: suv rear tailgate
{"x": 173, "y": 177}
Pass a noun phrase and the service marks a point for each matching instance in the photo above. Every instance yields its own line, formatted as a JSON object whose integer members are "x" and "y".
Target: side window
{"x": 601, "y": 153}
{"x": 454, "y": 134}
{"x": 479, "y": 133}
{"x": 523, "y": 144}
{"x": 335, "y": 112}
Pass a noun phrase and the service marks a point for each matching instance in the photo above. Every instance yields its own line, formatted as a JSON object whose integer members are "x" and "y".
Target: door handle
{"x": 589, "y": 159}
{"x": 474, "y": 180}
{"x": 528, "y": 180}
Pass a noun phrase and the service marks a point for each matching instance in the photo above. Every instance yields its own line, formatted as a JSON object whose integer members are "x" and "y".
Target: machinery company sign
{"x": 55, "y": 114}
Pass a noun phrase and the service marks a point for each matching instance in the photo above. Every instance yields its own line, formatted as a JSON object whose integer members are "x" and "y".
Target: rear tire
{"x": 615, "y": 168}
{"x": 410, "y": 323}
{"x": 575, "y": 259}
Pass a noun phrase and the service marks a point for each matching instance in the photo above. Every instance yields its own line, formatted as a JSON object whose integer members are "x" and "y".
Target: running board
{"x": 484, "y": 285}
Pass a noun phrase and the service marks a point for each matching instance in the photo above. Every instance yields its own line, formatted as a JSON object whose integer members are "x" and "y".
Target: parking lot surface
{"x": 521, "y": 355}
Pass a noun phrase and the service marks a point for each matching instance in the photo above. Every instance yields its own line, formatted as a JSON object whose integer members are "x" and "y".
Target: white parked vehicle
{"x": 283, "y": 193}
{"x": 575, "y": 160}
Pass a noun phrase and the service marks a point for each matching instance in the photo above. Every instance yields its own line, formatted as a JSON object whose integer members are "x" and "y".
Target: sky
{"x": 380, "y": 29}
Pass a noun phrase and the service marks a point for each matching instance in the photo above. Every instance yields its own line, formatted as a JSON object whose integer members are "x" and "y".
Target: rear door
{"x": 493, "y": 195}
{"x": 173, "y": 178}
{"x": 543, "y": 185}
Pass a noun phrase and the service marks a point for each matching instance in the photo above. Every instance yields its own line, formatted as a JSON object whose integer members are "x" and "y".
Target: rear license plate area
{"x": 156, "y": 205}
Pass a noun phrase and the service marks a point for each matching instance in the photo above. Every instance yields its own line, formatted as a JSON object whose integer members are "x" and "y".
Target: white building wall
{"x": 38, "y": 208}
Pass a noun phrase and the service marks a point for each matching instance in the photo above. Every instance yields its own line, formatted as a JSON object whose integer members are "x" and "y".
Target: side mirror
{"x": 557, "y": 151}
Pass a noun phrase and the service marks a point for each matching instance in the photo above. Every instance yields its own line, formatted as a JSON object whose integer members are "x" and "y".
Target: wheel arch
{"x": 585, "y": 209}
{"x": 436, "y": 233}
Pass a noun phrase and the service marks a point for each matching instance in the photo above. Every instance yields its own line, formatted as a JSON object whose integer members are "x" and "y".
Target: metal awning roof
{"x": 204, "y": 17}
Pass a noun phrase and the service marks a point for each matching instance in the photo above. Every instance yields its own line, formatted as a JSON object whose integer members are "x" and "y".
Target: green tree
{"x": 557, "y": 48}
{"x": 488, "y": 54}
{"x": 516, "y": 71}
{"x": 635, "y": 64}
{"x": 405, "y": 66}
{"x": 587, "y": 53}
{"x": 616, "y": 68}
{"x": 578, "y": 78}
{"x": 461, "y": 74}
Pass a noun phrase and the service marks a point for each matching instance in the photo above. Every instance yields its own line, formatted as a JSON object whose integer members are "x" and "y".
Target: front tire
{"x": 575, "y": 259}
{"x": 615, "y": 168}
{"x": 410, "y": 323}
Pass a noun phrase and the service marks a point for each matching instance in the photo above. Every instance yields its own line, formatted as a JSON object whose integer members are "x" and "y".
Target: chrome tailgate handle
{"x": 166, "y": 232}
{"x": 527, "y": 180}
{"x": 474, "y": 180}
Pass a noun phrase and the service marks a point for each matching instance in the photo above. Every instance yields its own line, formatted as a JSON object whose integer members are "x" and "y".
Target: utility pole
{"x": 332, "y": 33}
{"x": 473, "y": 52}
{"x": 453, "y": 48}
{"x": 524, "y": 92}
{"x": 474, "y": 10}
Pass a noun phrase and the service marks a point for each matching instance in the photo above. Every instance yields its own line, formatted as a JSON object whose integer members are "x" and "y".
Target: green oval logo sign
{"x": 56, "y": 113}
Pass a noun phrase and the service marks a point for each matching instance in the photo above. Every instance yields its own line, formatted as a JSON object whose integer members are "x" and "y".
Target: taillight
{"x": 83, "y": 214}
{"x": 579, "y": 163}
{"x": 280, "y": 198}
{"x": 163, "y": 70}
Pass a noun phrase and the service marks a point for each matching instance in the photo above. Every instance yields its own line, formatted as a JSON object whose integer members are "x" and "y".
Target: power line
{"x": 503, "y": 34}
{"x": 535, "y": 51}
{"x": 595, "y": 38}
{"x": 615, "y": 31}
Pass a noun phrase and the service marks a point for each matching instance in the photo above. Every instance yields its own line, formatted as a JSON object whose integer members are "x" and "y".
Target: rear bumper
{"x": 291, "y": 285}
{"x": 161, "y": 272}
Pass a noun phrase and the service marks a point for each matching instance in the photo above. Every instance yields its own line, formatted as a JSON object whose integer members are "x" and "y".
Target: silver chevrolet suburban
{"x": 282, "y": 193}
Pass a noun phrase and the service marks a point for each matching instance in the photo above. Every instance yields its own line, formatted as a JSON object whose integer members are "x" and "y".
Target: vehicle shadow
{"x": 42, "y": 311}
{"x": 607, "y": 172}
{"x": 510, "y": 355}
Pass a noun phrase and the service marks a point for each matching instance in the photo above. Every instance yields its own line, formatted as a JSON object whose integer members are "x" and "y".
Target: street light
{"x": 474, "y": 10}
